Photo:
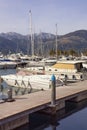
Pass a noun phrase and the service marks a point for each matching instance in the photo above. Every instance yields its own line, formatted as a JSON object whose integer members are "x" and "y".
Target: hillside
{"x": 15, "y": 42}
{"x": 76, "y": 40}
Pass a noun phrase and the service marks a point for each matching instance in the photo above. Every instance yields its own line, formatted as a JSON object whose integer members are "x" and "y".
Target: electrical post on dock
{"x": 53, "y": 90}
{"x": 53, "y": 95}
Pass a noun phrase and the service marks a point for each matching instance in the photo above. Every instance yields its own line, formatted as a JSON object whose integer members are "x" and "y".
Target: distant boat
{"x": 83, "y": 57}
{"x": 8, "y": 65}
{"x": 48, "y": 61}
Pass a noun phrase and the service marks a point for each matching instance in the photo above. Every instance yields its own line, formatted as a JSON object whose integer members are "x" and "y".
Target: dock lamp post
{"x": 53, "y": 90}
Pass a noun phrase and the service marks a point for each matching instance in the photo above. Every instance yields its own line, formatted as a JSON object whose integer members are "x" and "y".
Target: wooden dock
{"x": 14, "y": 114}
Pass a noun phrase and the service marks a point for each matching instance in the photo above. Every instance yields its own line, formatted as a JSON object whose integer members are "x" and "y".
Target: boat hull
{"x": 41, "y": 82}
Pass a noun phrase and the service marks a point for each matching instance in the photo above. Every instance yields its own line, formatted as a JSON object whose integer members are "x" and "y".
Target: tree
{"x": 52, "y": 52}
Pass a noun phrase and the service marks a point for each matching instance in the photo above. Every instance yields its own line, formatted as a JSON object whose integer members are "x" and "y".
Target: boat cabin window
{"x": 41, "y": 69}
{"x": 62, "y": 74}
{"x": 79, "y": 66}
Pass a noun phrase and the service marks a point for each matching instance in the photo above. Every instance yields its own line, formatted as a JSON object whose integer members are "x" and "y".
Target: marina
{"x": 48, "y": 98}
{"x": 19, "y": 110}
{"x": 43, "y": 65}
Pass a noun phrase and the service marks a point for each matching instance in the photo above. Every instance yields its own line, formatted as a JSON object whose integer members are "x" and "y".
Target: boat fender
{"x": 73, "y": 77}
{"x": 66, "y": 76}
{"x": 81, "y": 77}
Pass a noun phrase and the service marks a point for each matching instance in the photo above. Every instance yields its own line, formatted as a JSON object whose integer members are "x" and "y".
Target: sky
{"x": 69, "y": 15}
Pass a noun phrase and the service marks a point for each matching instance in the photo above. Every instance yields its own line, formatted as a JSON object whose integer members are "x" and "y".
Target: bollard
{"x": 10, "y": 99}
{"x": 53, "y": 90}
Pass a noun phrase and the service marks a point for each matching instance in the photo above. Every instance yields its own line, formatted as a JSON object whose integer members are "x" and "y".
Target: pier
{"x": 16, "y": 113}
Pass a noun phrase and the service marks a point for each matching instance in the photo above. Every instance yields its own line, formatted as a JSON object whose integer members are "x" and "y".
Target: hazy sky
{"x": 69, "y": 15}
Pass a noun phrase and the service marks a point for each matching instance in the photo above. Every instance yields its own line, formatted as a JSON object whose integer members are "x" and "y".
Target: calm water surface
{"x": 74, "y": 117}
{"x": 75, "y": 121}
{"x": 7, "y": 71}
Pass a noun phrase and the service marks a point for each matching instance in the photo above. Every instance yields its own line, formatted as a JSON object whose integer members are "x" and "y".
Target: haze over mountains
{"x": 15, "y": 42}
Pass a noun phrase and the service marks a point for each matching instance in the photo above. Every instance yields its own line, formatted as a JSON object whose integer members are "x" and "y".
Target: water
{"x": 76, "y": 121}
{"x": 74, "y": 118}
{"x": 7, "y": 71}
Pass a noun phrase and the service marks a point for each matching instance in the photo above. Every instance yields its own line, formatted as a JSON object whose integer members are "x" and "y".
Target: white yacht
{"x": 41, "y": 82}
{"x": 70, "y": 69}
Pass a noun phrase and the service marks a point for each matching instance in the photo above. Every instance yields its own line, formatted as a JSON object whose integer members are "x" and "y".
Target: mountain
{"x": 15, "y": 42}
{"x": 12, "y": 35}
{"x": 76, "y": 40}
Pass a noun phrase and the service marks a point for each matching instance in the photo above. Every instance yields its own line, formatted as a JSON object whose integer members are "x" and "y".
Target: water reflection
{"x": 72, "y": 118}
{"x": 53, "y": 122}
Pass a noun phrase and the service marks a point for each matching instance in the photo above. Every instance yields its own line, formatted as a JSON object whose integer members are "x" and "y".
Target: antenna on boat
{"x": 32, "y": 37}
{"x": 56, "y": 43}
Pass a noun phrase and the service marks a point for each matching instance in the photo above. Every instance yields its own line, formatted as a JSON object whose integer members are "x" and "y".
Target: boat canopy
{"x": 68, "y": 65}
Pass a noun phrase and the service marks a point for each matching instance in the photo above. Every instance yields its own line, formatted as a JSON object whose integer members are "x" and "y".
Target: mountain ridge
{"x": 14, "y": 42}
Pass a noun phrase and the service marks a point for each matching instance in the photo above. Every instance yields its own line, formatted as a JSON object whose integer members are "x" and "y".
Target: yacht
{"x": 39, "y": 82}
{"x": 70, "y": 69}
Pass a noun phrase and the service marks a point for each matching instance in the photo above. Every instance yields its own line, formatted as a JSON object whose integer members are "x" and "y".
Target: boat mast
{"x": 31, "y": 34}
{"x": 41, "y": 44}
{"x": 56, "y": 44}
